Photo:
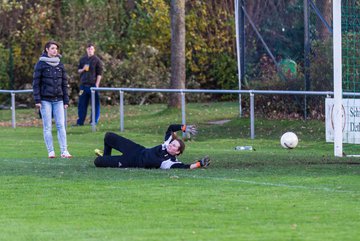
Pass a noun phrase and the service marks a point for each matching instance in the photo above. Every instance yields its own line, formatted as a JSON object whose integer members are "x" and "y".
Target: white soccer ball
{"x": 289, "y": 140}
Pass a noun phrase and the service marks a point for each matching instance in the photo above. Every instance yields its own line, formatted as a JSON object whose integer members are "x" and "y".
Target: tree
{"x": 177, "y": 81}
{"x": 325, "y": 8}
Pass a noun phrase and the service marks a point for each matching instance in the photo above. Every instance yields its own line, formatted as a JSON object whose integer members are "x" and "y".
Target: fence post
{"x": 13, "y": 121}
{"x": 121, "y": 110}
{"x": 183, "y": 115}
{"x": 93, "y": 110}
{"x": 252, "y": 116}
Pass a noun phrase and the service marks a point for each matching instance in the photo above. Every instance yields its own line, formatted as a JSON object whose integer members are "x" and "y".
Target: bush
{"x": 142, "y": 69}
{"x": 4, "y": 63}
{"x": 321, "y": 66}
{"x": 4, "y": 77}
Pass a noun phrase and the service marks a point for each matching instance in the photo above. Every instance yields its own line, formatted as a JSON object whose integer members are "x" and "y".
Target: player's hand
{"x": 38, "y": 105}
{"x": 205, "y": 161}
{"x": 191, "y": 129}
{"x": 167, "y": 142}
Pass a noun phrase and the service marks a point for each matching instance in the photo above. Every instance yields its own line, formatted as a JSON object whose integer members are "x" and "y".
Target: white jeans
{"x": 56, "y": 109}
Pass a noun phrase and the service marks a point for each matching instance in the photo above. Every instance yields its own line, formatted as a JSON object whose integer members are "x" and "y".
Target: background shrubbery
{"x": 133, "y": 41}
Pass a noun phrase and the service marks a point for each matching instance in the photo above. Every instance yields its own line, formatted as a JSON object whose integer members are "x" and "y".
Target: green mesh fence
{"x": 350, "y": 24}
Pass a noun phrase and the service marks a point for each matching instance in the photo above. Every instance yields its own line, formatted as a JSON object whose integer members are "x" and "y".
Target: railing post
{"x": 183, "y": 115}
{"x": 93, "y": 110}
{"x": 252, "y": 116}
{"x": 13, "y": 121}
{"x": 121, "y": 110}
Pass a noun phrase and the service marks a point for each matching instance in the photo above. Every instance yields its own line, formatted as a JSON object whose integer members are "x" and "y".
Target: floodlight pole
{"x": 306, "y": 53}
{"x": 240, "y": 44}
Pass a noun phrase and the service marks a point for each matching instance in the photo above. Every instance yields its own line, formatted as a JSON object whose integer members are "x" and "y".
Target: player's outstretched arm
{"x": 203, "y": 162}
{"x": 189, "y": 129}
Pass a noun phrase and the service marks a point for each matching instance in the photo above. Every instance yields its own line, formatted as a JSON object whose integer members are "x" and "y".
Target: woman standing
{"x": 51, "y": 96}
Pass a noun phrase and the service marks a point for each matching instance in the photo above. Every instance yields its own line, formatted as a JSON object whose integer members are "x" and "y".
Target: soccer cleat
{"x": 98, "y": 152}
{"x": 66, "y": 154}
{"x": 205, "y": 161}
{"x": 51, "y": 154}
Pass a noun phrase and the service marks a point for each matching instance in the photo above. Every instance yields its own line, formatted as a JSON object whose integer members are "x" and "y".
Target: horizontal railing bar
{"x": 16, "y": 91}
{"x": 280, "y": 92}
{"x": 182, "y": 91}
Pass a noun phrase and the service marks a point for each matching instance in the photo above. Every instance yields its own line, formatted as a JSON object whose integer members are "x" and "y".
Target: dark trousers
{"x": 129, "y": 149}
{"x": 84, "y": 99}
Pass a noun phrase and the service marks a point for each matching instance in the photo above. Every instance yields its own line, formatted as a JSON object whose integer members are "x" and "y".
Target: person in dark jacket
{"x": 50, "y": 90}
{"x": 134, "y": 155}
{"x": 90, "y": 69}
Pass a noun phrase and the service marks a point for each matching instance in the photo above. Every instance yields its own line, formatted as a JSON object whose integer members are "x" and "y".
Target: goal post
{"x": 343, "y": 111}
{"x": 337, "y": 67}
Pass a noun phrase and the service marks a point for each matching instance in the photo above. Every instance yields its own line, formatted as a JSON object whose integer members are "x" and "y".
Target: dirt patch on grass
{"x": 218, "y": 122}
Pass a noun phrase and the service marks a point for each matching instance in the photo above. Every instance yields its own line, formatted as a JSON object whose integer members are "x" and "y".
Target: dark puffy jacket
{"x": 50, "y": 83}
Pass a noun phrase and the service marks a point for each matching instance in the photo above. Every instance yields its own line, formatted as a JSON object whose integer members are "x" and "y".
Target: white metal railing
{"x": 12, "y": 93}
{"x": 182, "y": 92}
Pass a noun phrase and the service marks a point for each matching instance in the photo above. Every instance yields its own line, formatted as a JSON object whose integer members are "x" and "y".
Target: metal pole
{"x": 121, "y": 110}
{"x": 183, "y": 117}
{"x": 238, "y": 29}
{"x": 241, "y": 16}
{"x": 13, "y": 121}
{"x": 252, "y": 116}
{"x": 93, "y": 110}
{"x": 318, "y": 13}
{"x": 306, "y": 53}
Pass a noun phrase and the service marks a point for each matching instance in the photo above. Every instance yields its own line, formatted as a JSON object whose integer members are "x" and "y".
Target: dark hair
{"x": 88, "y": 45}
{"x": 49, "y": 43}
{"x": 182, "y": 144}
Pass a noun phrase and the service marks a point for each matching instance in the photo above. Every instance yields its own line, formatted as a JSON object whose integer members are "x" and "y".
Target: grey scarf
{"x": 54, "y": 61}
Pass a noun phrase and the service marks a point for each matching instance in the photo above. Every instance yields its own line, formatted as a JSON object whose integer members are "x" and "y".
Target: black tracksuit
{"x": 135, "y": 155}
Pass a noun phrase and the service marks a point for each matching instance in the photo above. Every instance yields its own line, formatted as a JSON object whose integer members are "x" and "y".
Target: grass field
{"x": 267, "y": 194}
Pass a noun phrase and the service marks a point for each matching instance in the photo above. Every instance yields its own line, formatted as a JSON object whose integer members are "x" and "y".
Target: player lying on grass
{"x": 134, "y": 155}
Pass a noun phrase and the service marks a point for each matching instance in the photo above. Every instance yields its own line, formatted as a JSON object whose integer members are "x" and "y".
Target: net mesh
{"x": 350, "y": 24}
{"x": 350, "y": 27}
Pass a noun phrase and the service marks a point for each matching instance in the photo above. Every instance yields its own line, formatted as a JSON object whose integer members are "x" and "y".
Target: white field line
{"x": 326, "y": 189}
{"x": 40, "y": 162}
{"x": 271, "y": 184}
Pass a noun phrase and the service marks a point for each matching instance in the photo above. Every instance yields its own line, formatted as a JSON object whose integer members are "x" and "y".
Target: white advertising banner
{"x": 351, "y": 120}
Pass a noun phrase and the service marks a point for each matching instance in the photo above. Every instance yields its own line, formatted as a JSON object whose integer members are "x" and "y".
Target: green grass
{"x": 267, "y": 194}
